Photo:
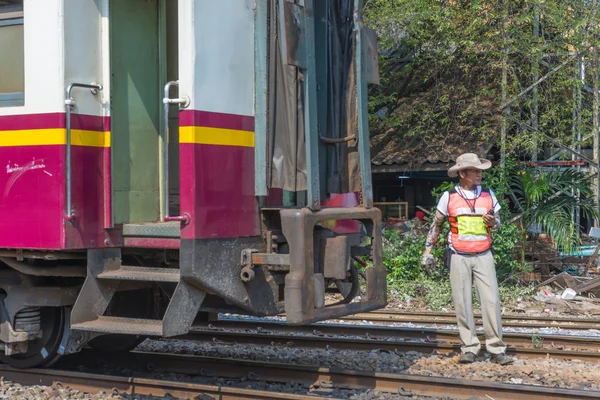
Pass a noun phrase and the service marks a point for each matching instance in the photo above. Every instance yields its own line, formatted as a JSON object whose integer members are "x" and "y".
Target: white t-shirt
{"x": 470, "y": 195}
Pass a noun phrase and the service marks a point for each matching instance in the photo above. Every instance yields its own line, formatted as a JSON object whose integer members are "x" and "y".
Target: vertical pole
{"x": 69, "y": 213}
{"x": 536, "y": 76}
{"x": 580, "y": 108}
{"x": 163, "y": 143}
{"x": 363, "y": 117}
{"x": 310, "y": 111}
{"x": 576, "y": 129}
{"x": 504, "y": 83}
{"x": 261, "y": 77}
{"x": 596, "y": 123}
{"x": 164, "y": 160}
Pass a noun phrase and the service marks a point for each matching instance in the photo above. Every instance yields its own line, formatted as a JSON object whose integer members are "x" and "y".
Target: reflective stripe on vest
{"x": 468, "y": 230}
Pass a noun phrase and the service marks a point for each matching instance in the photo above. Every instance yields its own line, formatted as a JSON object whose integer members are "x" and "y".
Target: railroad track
{"x": 439, "y": 318}
{"x": 324, "y": 381}
{"x": 93, "y": 383}
{"x": 589, "y": 343}
{"x": 391, "y": 339}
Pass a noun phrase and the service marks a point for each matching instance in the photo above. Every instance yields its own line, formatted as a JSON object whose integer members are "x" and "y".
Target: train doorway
{"x": 143, "y": 58}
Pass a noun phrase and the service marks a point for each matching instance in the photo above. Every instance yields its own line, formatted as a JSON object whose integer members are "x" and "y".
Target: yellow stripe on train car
{"x": 45, "y": 137}
{"x": 216, "y": 136}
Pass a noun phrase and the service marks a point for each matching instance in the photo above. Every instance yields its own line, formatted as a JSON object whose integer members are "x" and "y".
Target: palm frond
{"x": 550, "y": 197}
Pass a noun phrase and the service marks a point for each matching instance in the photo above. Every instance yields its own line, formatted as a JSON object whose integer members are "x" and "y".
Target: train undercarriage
{"x": 55, "y": 303}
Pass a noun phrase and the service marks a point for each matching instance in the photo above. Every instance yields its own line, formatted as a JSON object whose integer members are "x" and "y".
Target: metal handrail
{"x": 183, "y": 102}
{"x": 69, "y": 104}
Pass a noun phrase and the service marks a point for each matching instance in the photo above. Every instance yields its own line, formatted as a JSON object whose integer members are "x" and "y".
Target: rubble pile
{"x": 565, "y": 293}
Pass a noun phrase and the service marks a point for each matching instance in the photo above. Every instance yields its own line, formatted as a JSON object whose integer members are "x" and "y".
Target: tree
{"x": 548, "y": 198}
{"x": 447, "y": 65}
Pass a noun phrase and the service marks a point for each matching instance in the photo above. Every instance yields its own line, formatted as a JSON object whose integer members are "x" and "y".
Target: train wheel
{"x": 41, "y": 352}
{"x": 116, "y": 343}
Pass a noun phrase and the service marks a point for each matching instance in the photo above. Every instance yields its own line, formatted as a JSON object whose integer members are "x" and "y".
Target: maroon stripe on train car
{"x": 32, "y": 197}
{"x": 216, "y": 120}
{"x": 90, "y": 196}
{"x": 53, "y": 121}
{"x": 217, "y": 190}
{"x": 32, "y": 202}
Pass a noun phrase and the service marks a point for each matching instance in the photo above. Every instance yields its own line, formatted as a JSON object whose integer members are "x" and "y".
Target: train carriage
{"x": 167, "y": 160}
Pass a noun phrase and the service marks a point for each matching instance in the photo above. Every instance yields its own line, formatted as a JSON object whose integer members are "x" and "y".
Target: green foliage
{"x": 537, "y": 340}
{"x": 505, "y": 238}
{"x": 511, "y": 294}
{"x": 438, "y": 294}
{"x": 402, "y": 256}
{"x": 550, "y": 198}
{"x": 441, "y": 69}
{"x": 402, "y": 252}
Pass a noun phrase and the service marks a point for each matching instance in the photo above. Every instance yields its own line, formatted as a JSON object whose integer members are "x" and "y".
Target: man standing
{"x": 472, "y": 212}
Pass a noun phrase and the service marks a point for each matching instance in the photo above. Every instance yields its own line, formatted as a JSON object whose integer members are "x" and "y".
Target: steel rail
{"x": 431, "y": 335}
{"x": 427, "y": 314}
{"x": 372, "y": 344}
{"x": 87, "y": 382}
{"x": 450, "y": 318}
{"x": 404, "y": 384}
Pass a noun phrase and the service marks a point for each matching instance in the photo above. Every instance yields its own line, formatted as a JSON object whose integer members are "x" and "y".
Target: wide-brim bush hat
{"x": 468, "y": 160}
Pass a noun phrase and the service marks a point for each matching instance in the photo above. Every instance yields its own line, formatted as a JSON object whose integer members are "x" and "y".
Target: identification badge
{"x": 471, "y": 225}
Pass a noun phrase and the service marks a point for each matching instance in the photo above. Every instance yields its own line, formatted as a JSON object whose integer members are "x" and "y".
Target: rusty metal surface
{"x": 151, "y": 243}
{"x": 270, "y": 259}
{"x": 334, "y": 257}
{"x": 298, "y": 227}
{"x": 375, "y": 333}
{"x": 120, "y": 325}
{"x": 86, "y": 382}
{"x": 312, "y": 375}
{"x": 371, "y": 344}
{"x": 430, "y": 318}
{"x": 150, "y": 274}
{"x": 36, "y": 270}
{"x": 43, "y": 255}
{"x": 213, "y": 265}
{"x": 96, "y": 294}
{"x": 415, "y": 152}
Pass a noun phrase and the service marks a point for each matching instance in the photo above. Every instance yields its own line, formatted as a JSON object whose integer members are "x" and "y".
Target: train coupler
{"x": 314, "y": 261}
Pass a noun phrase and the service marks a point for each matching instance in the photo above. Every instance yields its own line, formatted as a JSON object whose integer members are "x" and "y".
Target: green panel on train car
{"x": 135, "y": 109}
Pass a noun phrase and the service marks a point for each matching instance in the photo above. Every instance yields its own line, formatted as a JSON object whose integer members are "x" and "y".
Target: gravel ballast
{"x": 15, "y": 391}
{"x": 546, "y": 330}
{"x": 554, "y": 373}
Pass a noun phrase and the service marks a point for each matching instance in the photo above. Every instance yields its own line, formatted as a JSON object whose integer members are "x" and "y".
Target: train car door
{"x": 143, "y": 33}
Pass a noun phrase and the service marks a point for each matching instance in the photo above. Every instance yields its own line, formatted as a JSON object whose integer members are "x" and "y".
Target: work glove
{"x": 428, "y": 264}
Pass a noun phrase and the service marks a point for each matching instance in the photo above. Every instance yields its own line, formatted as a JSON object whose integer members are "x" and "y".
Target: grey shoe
{"x": 467, "y": 358}
{"x": 502, "y": 359}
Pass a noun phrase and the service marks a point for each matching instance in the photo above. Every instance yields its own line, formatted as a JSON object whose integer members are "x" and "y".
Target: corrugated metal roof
{"x": 414, "y": 152}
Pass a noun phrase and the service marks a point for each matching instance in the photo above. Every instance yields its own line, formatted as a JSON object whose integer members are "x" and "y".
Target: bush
{"x": 402, "y": 252}
{"x": 402, "y": 255}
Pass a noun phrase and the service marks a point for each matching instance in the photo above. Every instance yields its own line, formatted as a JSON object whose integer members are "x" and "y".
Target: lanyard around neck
{"x": 462, "y": 194}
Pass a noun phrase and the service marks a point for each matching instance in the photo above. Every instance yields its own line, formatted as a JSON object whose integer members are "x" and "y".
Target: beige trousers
{"x": 481, "y": 269}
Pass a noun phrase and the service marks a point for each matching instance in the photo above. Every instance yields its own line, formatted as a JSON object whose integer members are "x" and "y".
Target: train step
{"x": 105, "y": 271}
{"x": 127, "y": 326}
{"x": 147, "y": 274}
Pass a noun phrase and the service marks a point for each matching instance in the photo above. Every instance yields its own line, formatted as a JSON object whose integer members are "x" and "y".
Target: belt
{"x": 467, "y": 254}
